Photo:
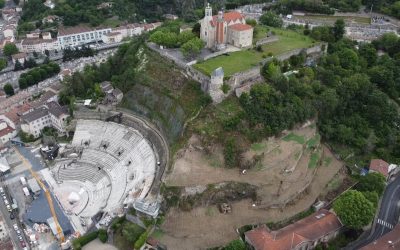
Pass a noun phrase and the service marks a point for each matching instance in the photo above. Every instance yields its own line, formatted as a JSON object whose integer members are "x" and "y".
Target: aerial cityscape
{"x": 188, "y": 124}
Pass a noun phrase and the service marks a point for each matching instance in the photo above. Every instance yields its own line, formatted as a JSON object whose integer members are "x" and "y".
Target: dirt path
{"x": 205, "y": 227}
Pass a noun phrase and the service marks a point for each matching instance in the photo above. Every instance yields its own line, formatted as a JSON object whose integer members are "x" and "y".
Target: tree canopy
{"x": 8, "y": 89}
{"x": 269, "y": 18}
{"x": 354, "y": 210}
{"x": 372, "y": 182}
{"x": 10, "y": 49}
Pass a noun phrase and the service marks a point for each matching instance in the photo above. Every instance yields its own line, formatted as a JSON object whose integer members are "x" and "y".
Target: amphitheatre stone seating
{"x": 104, "y": 172}
{"x": 79, "y": 171}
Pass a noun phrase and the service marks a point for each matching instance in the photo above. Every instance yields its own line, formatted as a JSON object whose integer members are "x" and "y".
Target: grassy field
{"x": 243, "y": 60}
{"x": 293, "y": 137}
{"x": 327, "y": 18}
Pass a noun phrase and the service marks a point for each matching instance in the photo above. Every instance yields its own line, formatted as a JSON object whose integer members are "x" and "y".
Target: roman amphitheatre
{"x": 107, "y": 167}
{"x": 289, "y": 176}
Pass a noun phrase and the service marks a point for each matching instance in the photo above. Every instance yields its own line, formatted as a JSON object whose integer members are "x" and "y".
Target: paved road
{"x": 388, "y": 215}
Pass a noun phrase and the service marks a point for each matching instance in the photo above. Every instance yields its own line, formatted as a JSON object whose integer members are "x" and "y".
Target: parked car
{"x": 15, "y": 226}
{"x": 1, "y": 190}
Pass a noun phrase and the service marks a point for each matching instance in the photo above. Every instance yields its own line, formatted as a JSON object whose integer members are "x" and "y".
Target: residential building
{"x": 389, "y": 241}
{"x": 50, "y": 19}
{"x": 80, "y": 35}
{"x": 20, "y": 57}
{"x": 64, "y": 73}
{"x": 13, "y": 101}
{"x": 170, "y": 16}
{"x": 307, "y": 233}
{"x": 49, "y": 115}
{"x": 7, "y": 129}
{"x": 9, "y": 31}
{"x": 105, "y": 5}
{"x": 112, "y": 37}
{"x": 225, "y": 28}
{"x": 38, "y": 45}
{"x": 381, "y": 166}
{"x": 33, "y": 34}
{"x": 106, "y": 87}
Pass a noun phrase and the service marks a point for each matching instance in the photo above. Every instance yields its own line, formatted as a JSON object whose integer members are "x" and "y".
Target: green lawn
{"x": 314, "y": 159}
{"x": 354, "y": 19}
{"x": 246, "y": 59}
{"x": 313, "y": 141}
{"x": 258, "y": 146}
{"x": 293, "y": 137}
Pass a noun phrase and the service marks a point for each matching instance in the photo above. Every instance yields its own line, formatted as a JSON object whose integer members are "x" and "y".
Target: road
{"x": 10, "y": 222}
{"x": 387, "y": 218}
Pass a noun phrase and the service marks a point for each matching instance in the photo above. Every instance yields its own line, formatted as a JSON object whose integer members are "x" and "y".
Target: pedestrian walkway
{"x": 385, "y": 224}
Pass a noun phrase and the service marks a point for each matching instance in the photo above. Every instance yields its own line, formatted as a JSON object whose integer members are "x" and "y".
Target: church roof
{"x": 228, "y": 16}
{"x": 240, "y": 27}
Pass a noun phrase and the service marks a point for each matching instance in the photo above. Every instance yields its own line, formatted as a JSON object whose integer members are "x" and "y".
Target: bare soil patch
{"x": 205, "y": 227}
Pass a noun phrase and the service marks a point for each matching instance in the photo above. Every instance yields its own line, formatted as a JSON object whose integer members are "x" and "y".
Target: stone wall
{"x": 266, "y": 40}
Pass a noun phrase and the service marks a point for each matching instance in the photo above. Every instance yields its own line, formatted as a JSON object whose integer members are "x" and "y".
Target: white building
{"x": 9, "y": 31}
{"x": 49, "y": 115}
{"x": 20, "y": 57}
{"x": 80, "y": 35}
{"x": 7, "y": 129}
{"x": 225, "y": 28}
{"x": 112, "y": 37}
{"x": 37, "y": 45}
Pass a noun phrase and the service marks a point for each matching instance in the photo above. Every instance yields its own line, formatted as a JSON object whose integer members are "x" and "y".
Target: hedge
{"x": 140, "y": 242}
{"x": 103, "y": 237}
{"x": 78, "y": 243}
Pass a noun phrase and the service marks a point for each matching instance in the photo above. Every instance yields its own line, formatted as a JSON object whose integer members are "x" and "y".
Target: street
{"x": 387, "y": 218}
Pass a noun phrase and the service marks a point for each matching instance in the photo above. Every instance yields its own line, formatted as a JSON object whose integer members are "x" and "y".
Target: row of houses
{"x": 68, "y": 37}
{"x": 11, "y": 17}
{"x": 31, "y": 116}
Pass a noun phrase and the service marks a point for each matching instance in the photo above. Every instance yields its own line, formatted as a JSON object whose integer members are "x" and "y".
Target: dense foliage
{"x": 141, "y": 240}
{"x": 74, "y": 53}
{"x": 3, "y": 63}
{"x": 389, "y": 7}
{"x": 34, "y": 76}
{"x": 315, "y": 6}
{"x": 354, "y": 210}
{"x": 8, "y": 89}
{"x": 10, "y": 49}
{"x": 83, "y": 240}
{"x": 271, "y": 19}
{"x": 372, "y": 182}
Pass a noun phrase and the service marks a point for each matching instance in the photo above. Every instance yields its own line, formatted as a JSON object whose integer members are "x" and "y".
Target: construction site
{"x": 107, "y": 168}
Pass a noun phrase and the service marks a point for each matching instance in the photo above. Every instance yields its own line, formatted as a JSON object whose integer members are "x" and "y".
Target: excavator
{"x": 60, "y": 234}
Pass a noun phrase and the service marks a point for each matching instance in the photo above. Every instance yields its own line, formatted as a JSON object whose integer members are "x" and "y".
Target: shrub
{"x": 140, "y": 242}
{"x": 225, "y": 88}
{"x": 103, "y": 236}
{"x": 83, "y": 240}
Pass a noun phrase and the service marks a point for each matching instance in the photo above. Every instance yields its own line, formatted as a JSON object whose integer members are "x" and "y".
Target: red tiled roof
{"x": 308, "y": 229}
{"x": 240, "y": 27}
{"x": 389, "y": 241}
{"x": 380, "y": 166}
{"x": 228, "y": 16}
{"x": 6, "y": 131}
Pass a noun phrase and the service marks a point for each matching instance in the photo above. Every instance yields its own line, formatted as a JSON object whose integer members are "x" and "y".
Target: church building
{"x": 225, "y": 28}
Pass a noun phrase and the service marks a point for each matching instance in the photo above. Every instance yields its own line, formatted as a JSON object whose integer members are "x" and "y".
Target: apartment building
{"x": 80, "y": 35}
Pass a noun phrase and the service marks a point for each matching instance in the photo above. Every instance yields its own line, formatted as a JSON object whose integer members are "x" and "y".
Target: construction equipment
{"x": 60, "y": 233}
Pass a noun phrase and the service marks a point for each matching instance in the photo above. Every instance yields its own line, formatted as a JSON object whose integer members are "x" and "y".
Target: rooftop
{"x": 6, "y": 131}
{"x": 379, "y": 165}
{"x": 35, "y": 114}
{"x": 19, "y": 56}
{"x": 56, "y": 109}
{"x": 310, "y": 228}
{"x": 228, "y": 16}
{"x": 240, "y": 27}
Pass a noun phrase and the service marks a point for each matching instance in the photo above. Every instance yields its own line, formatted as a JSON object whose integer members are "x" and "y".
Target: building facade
{"x": 80, "y": 35}
{"x": 7, "y": 129}
{"x": 225, "y": 28}
{"x": 49, "y": 115}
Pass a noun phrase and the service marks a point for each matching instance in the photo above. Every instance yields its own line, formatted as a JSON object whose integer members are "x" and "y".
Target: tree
{"x": 10, "y": 49}
{"x": 354, "y": 210}
{"x": 251, "y": 22}
{"x": 338, "y": 29}
{"x": 372, "y": 182}
{"x": 192, "y": 48}
{"x": 185, "y": 36}
{"x": 8, "y": 89}
{"x": 271, "y": 19}
{"x": 131, "y": 232}
{"x": 3, "y": 63}
{"x": 18, "y": 66}
{"x": 196, "y": 29}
